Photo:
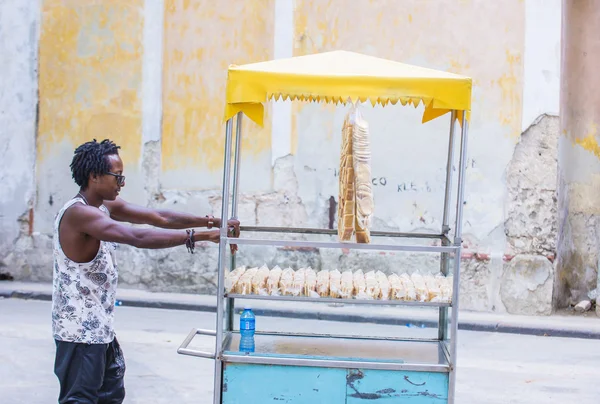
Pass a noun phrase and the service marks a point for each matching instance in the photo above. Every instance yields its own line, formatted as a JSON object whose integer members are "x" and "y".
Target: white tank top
{"x": 83, "y": 298}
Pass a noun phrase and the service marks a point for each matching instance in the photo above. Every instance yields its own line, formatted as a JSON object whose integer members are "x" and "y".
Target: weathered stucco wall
{"x": 579, "y": 154}
{"x": 19, "y": 32}
{"x": 201, "y": 39}
{"x": 151, "y": 75}
{"x": 90, "y": 88}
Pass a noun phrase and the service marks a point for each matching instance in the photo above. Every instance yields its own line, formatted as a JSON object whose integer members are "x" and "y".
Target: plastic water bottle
{"x": 247, "y": 327}
{"x": 118, "y": 303}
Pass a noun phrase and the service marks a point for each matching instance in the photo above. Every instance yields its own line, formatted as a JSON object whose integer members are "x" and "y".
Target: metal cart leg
{"x": 458, "y": 242}
{"x": 230, "y": 303}
{"x": 449, "y": 164}
{"x": 221, "y": 264}
{"x": 445, "y": 257}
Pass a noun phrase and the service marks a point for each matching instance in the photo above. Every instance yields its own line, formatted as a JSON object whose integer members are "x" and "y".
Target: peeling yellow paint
{"x": 492, "y": 57}
{"x": 589, "y": 141}
{"x": 510, "y": 83}
{"x": 513, "y": 59}
{"x": 458, "y": 67}
{"x": 90, "y": 63}
{"x": 590, "y": 144}
{"x": 195, "y": 70}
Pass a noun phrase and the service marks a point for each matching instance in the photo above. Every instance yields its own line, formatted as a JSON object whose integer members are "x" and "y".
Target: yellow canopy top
{"x": 340, "y": 76}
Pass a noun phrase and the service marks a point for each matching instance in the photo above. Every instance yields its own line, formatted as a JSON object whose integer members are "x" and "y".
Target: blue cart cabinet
{"x": 258, "y": 383}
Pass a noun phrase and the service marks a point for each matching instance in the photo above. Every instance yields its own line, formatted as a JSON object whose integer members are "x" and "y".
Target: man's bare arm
{"x": 95, "y": 223}
{"x": 128, "y": 212}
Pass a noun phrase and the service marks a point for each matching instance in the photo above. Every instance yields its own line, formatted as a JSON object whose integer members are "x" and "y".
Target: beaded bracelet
{"x": 189, "y": 242}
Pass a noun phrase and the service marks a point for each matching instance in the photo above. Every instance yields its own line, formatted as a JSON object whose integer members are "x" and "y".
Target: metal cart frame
{"x": 450, "y": 250}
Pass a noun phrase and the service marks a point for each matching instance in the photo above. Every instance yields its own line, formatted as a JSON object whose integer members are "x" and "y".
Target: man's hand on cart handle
{"x": 233, "y": 230}
{"x": 234, "y": 227}
{"x": 215, "y": 235}
{"x": 231, "y": 223}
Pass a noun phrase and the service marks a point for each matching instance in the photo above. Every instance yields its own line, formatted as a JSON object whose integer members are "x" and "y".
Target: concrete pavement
{"x": 493, "y": 368}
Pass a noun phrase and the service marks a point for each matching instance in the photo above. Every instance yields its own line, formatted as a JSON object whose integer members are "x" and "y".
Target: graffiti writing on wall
{"x": 405, "y": 186}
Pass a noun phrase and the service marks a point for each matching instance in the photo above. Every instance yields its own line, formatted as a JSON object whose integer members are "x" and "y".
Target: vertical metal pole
{"x": 449, "y": 163}
{"x": 230, "y": 304}
{"x": 445, "y": 257}
{"x": 458, "y": 242}
{"x": 221, "y": 264}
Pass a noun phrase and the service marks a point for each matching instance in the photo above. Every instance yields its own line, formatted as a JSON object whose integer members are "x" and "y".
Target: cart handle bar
{"x": 184, "y": 350}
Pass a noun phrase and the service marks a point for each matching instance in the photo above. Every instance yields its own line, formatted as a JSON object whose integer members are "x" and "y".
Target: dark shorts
{"x": 90, "y": 373}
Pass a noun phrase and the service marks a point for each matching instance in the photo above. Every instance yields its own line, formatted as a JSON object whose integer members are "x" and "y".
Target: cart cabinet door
{"x": 248, "y": 383}
{"x": 385, "y": 386}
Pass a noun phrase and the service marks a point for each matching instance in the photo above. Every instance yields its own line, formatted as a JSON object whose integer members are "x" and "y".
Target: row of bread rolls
{"x": 336, "y": 284}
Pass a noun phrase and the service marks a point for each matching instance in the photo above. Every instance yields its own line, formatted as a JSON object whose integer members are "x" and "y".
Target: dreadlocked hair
{"x": 92, "y": 158}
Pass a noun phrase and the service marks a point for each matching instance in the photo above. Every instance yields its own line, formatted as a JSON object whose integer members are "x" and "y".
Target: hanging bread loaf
{"x": 346, "y": 207}
{"x": 355, "y": 202}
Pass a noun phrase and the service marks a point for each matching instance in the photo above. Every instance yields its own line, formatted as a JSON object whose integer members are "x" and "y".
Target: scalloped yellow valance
{"x": 341, "y": 77}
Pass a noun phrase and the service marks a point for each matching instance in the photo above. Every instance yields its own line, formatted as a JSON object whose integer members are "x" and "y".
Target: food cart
{"x": 340, "y": 368}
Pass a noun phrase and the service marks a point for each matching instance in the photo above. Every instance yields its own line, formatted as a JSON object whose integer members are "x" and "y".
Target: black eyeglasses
{"x": 120, "y": 178}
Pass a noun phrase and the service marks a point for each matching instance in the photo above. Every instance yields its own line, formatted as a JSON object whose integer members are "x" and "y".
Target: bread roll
{"x": 384, "y": 286}
{"x": 232, "y": 278}
{"x": 273, "y": 281}
{"x": 244, "y": 285}
{"x": 310, "y": 283}
{"x": 372, "y": 289}
{"x": 335, "y": 283}
{"x": 286, "y": 282}
{"x": 347, "y": 285}
{"x": 259, "y": 281}
{"x": 323, "y": 283}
